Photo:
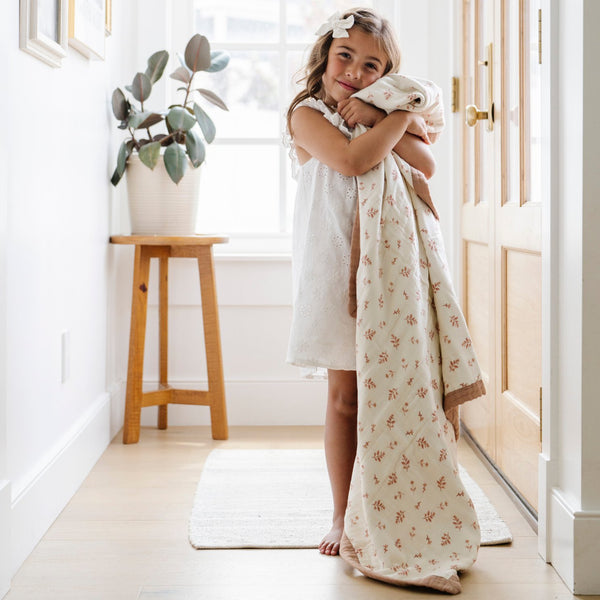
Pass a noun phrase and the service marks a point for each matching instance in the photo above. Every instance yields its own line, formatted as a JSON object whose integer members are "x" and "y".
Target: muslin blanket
{"x": 409, "y": 519}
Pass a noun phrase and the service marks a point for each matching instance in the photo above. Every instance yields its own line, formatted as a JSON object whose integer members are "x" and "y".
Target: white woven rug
{"x": 282, "y": 499}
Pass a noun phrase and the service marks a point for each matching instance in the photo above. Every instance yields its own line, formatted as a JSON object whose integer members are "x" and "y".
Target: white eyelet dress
{"x": 322, "y": 332}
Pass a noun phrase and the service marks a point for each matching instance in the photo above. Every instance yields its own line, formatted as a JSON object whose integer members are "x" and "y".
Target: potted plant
{"x": 162, "y": 167}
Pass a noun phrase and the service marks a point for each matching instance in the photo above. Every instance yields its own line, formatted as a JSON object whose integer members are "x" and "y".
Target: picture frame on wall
{"x": 43, "y": 29}
{"x": 87, "y": 25}
{"x": 108, "y": 18}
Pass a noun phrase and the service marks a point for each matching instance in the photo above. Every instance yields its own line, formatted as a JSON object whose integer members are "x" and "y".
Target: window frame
{"x": 264, "y": 243}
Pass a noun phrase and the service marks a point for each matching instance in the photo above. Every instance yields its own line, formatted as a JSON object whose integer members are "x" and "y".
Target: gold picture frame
{"x": 108, "y": 18}
{"x": 87, "y": 26}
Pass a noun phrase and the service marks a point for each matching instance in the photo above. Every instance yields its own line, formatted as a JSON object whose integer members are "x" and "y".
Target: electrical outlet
{"x": 65, "y": 356}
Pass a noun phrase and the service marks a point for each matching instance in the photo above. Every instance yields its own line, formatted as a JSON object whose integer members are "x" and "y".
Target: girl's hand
{"x": 355, "y": 111}
{"x": 416, "y": 125}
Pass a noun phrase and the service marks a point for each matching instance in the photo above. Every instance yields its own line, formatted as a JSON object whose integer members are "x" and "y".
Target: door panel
{"x": 518, "y": 443}
{"x": 501, "y": 233}
{"x": 479, "y": 415}
{"x": 522, "y": 333}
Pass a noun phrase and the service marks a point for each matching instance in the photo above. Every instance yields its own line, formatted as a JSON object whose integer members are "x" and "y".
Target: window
{"x": 247, "y": 188}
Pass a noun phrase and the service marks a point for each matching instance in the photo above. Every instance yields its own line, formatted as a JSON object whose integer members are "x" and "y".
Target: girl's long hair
{"x": 367, "y": 20}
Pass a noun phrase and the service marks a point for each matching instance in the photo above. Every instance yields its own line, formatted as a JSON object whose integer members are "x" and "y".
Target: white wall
{"x": 58, "y": 134}
{"x": 427, "y": 44}
{"x": 590, "y": 495}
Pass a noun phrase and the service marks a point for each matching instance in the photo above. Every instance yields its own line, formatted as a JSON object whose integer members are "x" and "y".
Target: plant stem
{"x": 187, "y": 91}
{"x": 132, "y": 134}
{"x": 167, "y": 137}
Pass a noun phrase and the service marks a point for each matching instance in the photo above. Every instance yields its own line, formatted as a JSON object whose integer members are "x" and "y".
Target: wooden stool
{"x": 164, "y": 247}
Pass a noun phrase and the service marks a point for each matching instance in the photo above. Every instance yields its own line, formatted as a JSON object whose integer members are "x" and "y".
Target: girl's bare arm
{"x": 416, "y": 153}
{"x": 319, "y": 138}
{"x": 412, "y": 147}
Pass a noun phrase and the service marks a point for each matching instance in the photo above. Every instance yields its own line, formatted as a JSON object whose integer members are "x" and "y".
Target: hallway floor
{"x": 123, "y": 536}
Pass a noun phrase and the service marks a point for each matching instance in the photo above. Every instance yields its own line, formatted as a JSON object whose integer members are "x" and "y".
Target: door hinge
{"x": 539, "y": 36}
{"x": 455, "y": 97}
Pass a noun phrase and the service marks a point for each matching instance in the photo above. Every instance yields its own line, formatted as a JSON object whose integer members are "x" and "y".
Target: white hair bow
{"x": 337, "y": 24}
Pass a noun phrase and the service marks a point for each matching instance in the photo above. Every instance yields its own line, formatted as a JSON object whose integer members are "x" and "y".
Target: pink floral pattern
{"x": 409, "y": 518}
{"x": 400, "y": 92}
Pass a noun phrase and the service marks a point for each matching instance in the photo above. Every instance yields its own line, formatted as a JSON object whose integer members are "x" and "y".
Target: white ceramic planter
{"x": 157, "y": 206}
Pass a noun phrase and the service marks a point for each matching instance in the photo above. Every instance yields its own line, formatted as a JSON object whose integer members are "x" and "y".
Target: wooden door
{"x": 501, "y": 231}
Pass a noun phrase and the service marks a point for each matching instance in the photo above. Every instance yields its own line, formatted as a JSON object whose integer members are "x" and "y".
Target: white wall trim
{"x": 40, "y": 499}
{"x": 4, "y": 537}
{"x": 4, "y": 483}
{"x": 546, "y": 478}
{"x": 575, "y": 545}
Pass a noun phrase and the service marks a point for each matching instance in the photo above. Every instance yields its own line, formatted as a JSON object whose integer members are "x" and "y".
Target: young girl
{"x": 353, "y": 51}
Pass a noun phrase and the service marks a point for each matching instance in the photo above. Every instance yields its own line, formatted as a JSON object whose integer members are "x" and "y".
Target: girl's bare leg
{"x": 340, "y": 449}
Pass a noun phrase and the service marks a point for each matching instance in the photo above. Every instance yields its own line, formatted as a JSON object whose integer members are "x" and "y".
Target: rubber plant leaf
{"x": 181, "y": 74}
{"x": 156, "y": 65}
{"x": 120, "y": 105}
{"x": 175, "y": 162}
{"x": 195, "y": 148}
{"x": 208, "y": 127}
{"x": 179, "y": 118}
{"x": 124, "y": 152}
{"x": 218, "y": 61}
{"x": 141, "y": 87}
{"x": 144, "y": 119}
{"x": 149, "y": 154}
{"x": 197, "y": 53}
{"x": 212, "y": 97}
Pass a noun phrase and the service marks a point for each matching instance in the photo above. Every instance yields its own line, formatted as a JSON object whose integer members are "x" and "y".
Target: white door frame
{"x": 549, "y": 277}
{"x": 569, "y": 461}
{"x": 5, "y": 491}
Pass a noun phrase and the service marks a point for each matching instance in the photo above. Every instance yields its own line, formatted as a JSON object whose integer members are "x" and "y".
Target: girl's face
{"x": 353, "y": 63}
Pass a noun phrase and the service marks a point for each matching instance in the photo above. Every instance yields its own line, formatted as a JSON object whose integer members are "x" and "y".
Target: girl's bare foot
{"x": 330, "y": 544}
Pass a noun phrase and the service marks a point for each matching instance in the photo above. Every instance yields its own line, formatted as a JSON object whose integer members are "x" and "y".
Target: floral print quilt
{"x": 409, "y": 519}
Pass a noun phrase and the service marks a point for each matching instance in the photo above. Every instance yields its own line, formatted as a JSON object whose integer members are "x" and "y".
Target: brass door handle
{"x": 472, "y": 113}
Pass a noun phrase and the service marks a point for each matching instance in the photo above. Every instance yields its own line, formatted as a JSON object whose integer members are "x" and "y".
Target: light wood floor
{"x": 124, "y": 537}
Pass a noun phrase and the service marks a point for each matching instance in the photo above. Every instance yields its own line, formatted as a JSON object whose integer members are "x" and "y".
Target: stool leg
{"x": 135, "y": 368}
{"x": 163, "y": 333}
{"x": 212, "y": 344}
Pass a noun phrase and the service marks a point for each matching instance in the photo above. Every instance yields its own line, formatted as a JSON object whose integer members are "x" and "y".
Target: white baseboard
{"x": 253, "y": 403}
{"x": 5, "y": 574}
{"x": 38, "y": 502}
{"x": 117, "y": 407}
{"x": 575, "y": 545}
